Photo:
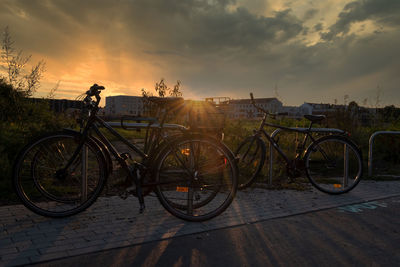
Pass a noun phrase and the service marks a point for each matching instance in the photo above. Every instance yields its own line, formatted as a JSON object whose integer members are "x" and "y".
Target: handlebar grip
{"x": 95, "y": 87}
{"x": 95, "y": 90}
{"x": 252, "y": 98}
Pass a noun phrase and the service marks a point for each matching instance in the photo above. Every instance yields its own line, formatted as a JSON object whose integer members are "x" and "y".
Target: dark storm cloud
{"x": 202, "y": 27}
{"x": 310, "y": 13}
{"x": 318, "y": 27}
{"x": 220, "y": 47}
{"x": 175, "y": 26}
{"x": 385, "y": 12}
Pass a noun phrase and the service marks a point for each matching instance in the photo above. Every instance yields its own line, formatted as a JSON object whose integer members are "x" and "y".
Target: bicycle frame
{"x": 151, "y": 141}
{"x": 133, "y": 174}
{"x": 306, "y": 131}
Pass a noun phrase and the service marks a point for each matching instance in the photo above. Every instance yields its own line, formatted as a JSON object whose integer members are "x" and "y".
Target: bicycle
{"x": 193, "y": 175}
{"x": 332, "y": 163}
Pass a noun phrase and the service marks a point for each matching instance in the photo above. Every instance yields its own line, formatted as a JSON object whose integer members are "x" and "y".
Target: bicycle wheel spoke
{"x": 333, "y": 165}
{"x": 206, "y": 189}
{"x": 47, "y": 191}
{"x": 250, "y": 156}
{"x": 189, "y": 210}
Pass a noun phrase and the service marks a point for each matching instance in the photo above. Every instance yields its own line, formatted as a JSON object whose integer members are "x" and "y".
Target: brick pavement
{"x": 112, "y": 222}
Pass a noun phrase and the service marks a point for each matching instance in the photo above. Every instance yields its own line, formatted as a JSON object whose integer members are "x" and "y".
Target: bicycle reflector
{"x": 337, "y": 185}
{"x": 185, "y": 151}
{"x": 182, "y": 189}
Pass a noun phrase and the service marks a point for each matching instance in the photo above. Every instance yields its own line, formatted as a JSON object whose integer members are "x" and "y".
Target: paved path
{"x": 111, "y": 222}
{"x": 364, "y": 234}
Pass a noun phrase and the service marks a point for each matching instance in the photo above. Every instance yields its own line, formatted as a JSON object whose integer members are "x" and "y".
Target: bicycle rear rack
{"x": 143, "y": 125}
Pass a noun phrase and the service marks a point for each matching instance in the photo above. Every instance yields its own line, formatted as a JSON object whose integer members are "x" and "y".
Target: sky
{"x": 300, "y": 51}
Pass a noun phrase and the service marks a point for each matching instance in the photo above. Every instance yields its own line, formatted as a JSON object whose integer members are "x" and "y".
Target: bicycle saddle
{"x": 315, "y": 118}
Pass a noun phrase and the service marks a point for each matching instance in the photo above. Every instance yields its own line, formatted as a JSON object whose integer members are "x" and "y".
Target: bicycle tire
{"x": 196, "y": 177}
{"x": 250, "y": 158}
{"x": 45, "y": 193}
{"x": 333, "y": 164}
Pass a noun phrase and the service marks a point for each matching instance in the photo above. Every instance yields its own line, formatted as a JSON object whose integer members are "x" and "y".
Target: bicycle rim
{"x": 44, "y": 190}
{"x": 197, "y": 178}
{"x": 333, "y": 165}
{"x": 250, "y": 157}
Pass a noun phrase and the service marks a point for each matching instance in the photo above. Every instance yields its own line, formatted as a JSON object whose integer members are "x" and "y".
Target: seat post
{"x": 311, "y": 123}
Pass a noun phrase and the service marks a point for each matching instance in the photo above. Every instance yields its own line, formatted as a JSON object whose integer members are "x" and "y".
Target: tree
{"x": 353, "y": 107}
{"x": 162, "y": 89}
{"x": 390, "y": 113}
{"x": 176, "y": 92}
{"x": 15, "y": 62}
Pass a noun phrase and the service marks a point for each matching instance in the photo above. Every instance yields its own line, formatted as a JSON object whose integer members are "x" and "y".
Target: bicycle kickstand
{"x": 135, "y": 172}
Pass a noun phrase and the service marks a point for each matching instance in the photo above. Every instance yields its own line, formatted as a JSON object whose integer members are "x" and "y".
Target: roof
{"x": 257, "y": 100}
{"x": 324, "y": 106}
{"x": 124, "y": 96}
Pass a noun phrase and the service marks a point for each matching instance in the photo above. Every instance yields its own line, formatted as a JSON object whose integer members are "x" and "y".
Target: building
{"x": 124, "y": 105}
{"x": 314, "y": 108}
{"x": 243, "y": 108}
{"x": 294, "y": 112}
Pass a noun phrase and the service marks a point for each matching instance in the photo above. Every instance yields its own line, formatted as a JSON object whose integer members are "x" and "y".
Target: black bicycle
{"x": 193, "y": 175}
{"x": 332, "y": 163}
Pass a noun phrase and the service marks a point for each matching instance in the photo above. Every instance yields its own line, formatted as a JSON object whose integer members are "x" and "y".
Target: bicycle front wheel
{"x": 333, "y": 164}
{"x": 46, "y": 187}
{"x": 250, "y": 157}
{"x": 196, "y": 177}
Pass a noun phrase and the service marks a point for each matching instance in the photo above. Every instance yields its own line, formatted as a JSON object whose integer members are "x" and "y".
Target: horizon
{"x": 323, "y": 51}
{"x": 204, "y": 99}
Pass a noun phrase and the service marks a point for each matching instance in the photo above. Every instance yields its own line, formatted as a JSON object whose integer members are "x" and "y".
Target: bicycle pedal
{"x": 125, "y": 156}
{"x": 290, "y": 180}
{"x": 123, "y": 195}
{"x": 130, "y": 189}
{"x": 142, "y": 208}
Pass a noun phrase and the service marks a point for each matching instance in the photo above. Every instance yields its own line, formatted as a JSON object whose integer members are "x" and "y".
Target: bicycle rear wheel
{"x": 250, "y": 157}
{"x": 196, "y": 177}
{"x": 43, "y": 186}
{"x": 333, "y": 164}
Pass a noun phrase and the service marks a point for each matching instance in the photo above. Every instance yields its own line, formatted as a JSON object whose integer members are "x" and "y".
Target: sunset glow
{"x": 315, "y": 51}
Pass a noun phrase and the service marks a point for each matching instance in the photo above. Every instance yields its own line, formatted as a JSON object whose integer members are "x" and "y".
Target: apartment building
{"x": 243, "y": 108}
{"x": 124, "y": 105}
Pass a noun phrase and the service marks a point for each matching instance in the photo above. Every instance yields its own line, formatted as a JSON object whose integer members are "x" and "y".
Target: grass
{"x": 237, "y": 130}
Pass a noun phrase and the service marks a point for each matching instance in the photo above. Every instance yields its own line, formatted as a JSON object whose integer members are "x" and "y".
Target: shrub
{"x": 21, "y": 121}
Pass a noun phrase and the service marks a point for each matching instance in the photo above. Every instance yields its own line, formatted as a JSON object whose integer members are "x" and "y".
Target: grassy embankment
{"x": 22, "y": 120}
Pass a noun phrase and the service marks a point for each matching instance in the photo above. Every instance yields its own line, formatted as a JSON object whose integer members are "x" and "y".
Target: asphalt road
{"x": 358, "y": 235}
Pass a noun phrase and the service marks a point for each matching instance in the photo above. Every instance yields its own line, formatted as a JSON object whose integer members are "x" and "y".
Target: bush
{"x": 21, "y": 121}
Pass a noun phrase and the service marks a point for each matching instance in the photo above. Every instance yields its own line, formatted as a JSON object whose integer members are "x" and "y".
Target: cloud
{"x": 385, "y": 12}
{"x": 214, "y": 47}
{"x": 310, "y": 13}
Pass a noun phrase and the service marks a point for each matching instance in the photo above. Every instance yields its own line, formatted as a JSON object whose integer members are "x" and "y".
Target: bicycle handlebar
{"x": 253, "y": 102}
{"x": 252, "y": 99}
{"x": 95, "y": 91}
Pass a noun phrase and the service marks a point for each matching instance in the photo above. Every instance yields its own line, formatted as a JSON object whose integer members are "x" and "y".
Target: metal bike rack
{"x": 371, "y": 144}
{"x": 137, "y": 125}
{"x": 84, "y": 173}
{"x": 315, "y": 130}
